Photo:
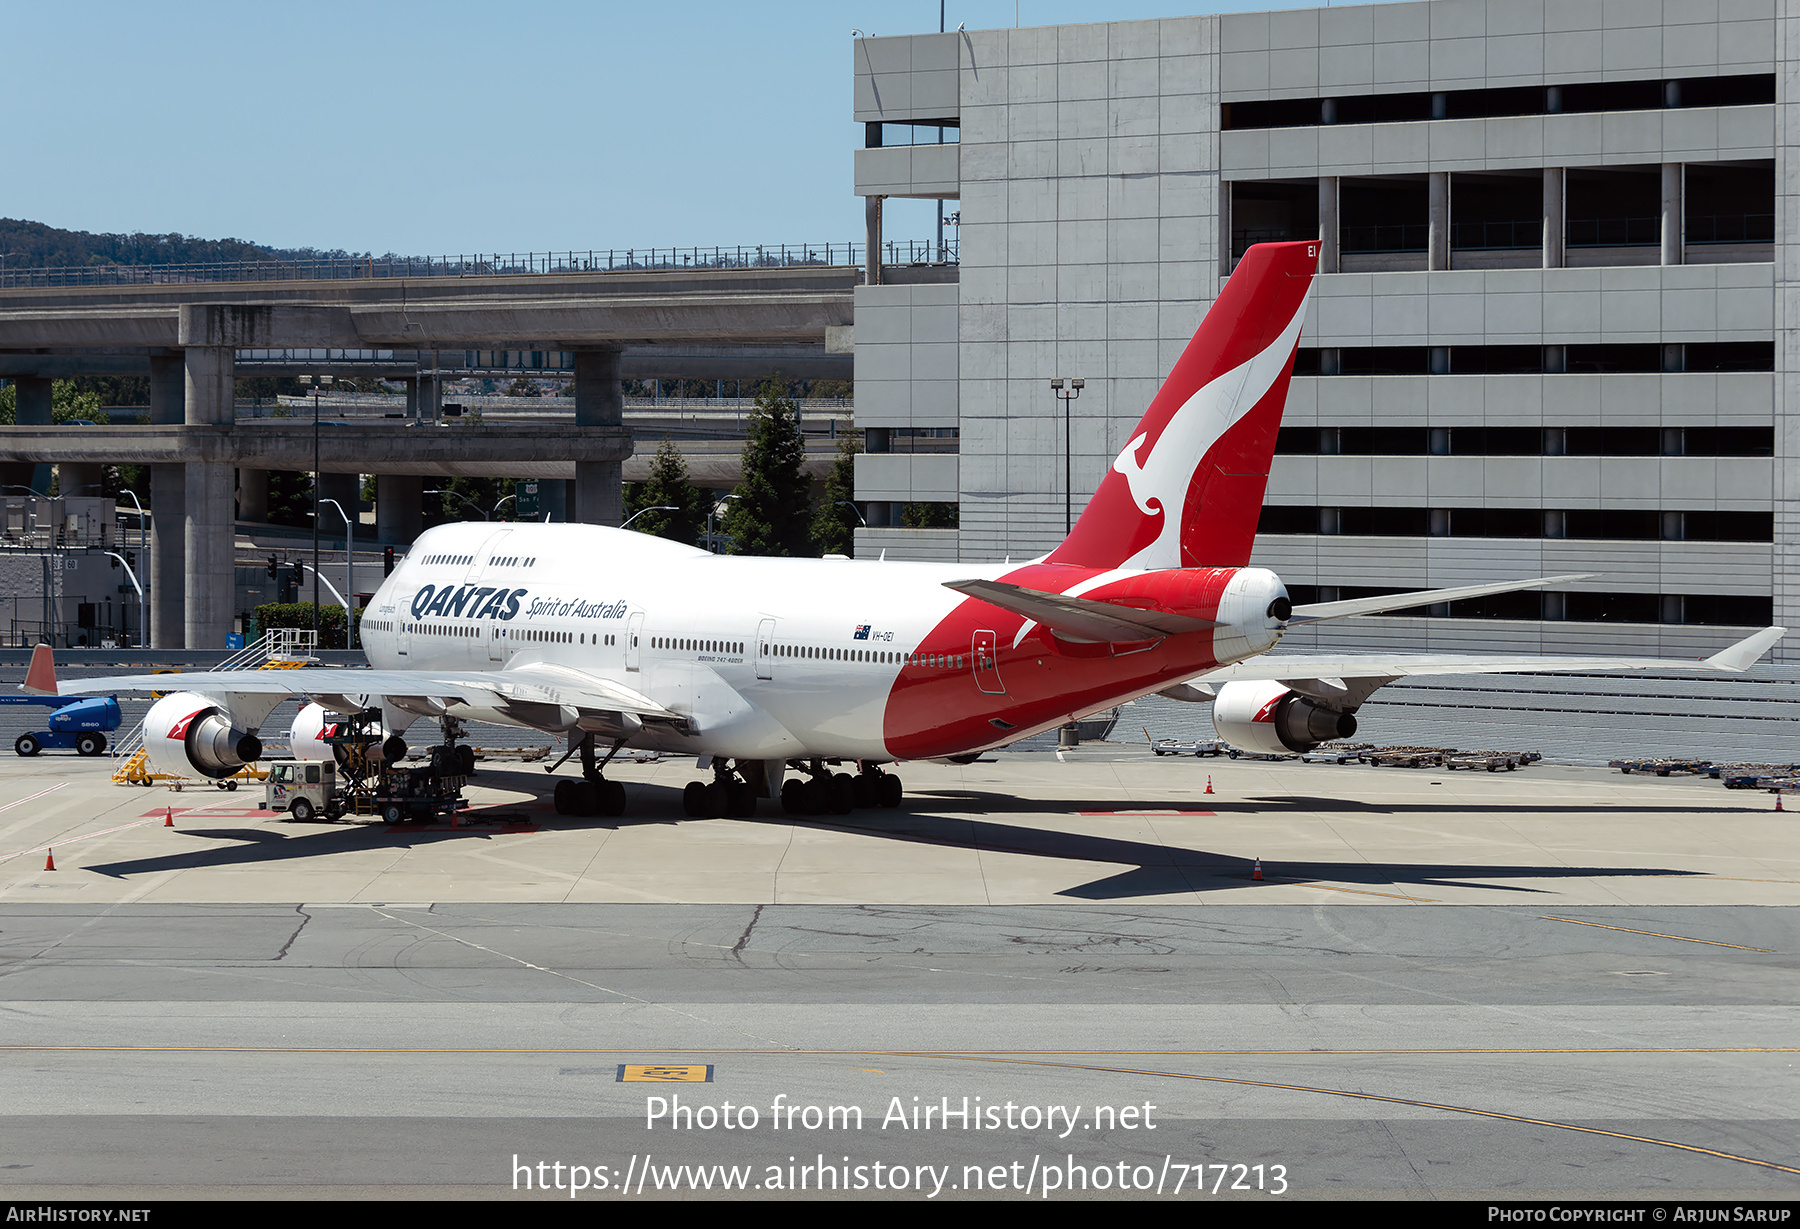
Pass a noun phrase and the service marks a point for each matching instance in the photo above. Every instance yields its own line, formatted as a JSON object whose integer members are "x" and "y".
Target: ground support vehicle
{"x": 1661, "y": 767}
{"x": 1336, "y": 753}
{"x": 303, "y": 789}
{"x": 1407, "y": 757}
{"x": 1493, "y": 761}
{"x": 74, "y": 724}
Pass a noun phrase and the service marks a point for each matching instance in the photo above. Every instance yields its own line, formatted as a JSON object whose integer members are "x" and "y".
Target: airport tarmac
{"x": 1556, "y": 982}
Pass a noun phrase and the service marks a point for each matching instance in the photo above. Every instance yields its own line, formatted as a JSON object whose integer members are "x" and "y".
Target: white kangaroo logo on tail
{"x": 1160, "y": 483}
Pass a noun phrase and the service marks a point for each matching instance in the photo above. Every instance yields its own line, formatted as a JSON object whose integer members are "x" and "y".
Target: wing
{"x": 1337, "y": 668}
{"x": 540, "y": 695}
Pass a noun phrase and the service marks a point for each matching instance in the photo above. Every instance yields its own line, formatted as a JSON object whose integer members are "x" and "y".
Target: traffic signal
{"x": 131, "y": 560}
{"x": 299, "y": 576}
{"x": 274, "y": 567}
{"x": 387, "y": 561}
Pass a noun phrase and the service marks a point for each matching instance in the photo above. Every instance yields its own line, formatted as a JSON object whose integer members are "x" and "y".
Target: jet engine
{"x": 306, "y": 737}
{"x": 1274, "y": 720}
{"x": 186, "y": 733}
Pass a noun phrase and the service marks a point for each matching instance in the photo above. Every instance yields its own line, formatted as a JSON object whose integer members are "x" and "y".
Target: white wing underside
{"x": 1287, "y": 667}
{"x": 340, "y": 688}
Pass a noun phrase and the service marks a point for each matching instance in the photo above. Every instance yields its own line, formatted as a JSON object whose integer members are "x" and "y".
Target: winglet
{"x": 1746, "y": 652}
{"x": 40, "y": 679}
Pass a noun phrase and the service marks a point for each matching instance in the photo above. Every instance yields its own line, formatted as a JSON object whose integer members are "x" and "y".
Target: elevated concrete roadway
{"x": 189, "y": 335}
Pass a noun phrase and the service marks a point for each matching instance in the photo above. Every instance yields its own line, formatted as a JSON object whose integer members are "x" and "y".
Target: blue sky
{"x": 454, "y": 127}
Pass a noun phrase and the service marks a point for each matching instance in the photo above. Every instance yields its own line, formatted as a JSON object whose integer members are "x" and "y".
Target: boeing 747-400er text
{"x": 767, "y": 667}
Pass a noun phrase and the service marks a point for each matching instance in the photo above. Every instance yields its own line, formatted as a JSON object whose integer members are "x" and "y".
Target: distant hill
{"x": 34, "y": 245}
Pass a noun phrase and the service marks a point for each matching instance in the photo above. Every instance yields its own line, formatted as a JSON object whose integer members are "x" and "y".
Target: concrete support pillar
{"x": 399, "y": 500}
{"x": 1554, "y": 209}
{"x": 32, "y": 409}
{"x": 872, "y": 241}
{"x": 168, "y": 510}
{"x": 168, "y": 555}
{"x": 1328, "y": 224}
{"x": 412, "y": 397}
{"x": 1226, "y": 258}
{"x": 1437, "y": 240}
{"x": 210, "y": 586}
{"x": 431, "y": 394}
{"x": 80, "y": 478}
{"x": 211, "y": 488}
{"x": 553, "y": 499}
{"x": 599, "y": 402}
{"x": 168, "y": 390}
{"x": 253, "y": 495}
{"x": 1671, "y": 213}
{"x": 211, "y": 385}
{"x": 346, "y": 489}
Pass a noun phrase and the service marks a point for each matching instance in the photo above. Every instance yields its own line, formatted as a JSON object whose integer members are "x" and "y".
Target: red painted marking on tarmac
{"x": 239, "y": 813}
{"x": 1148, "y": 811}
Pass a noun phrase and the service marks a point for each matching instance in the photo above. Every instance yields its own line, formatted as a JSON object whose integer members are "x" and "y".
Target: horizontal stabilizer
{"x": 1079, "y": 619}
{"x": 1316, "y": 611}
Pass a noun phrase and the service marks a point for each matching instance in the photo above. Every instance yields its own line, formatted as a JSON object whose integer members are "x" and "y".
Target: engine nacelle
{"x": 312, "y": 724}
{"x": 1274, "y": 720}
{"x": 186, "y": 733}
{"x": 306, "y": 736}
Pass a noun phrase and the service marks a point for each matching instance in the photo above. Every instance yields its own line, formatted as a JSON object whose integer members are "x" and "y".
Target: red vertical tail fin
{"x": 1187, "y": 489}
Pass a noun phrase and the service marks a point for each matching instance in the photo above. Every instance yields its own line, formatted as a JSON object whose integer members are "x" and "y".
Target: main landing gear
{"x": 829, "y": 793}
{"x": 731, "y": 794}
{"x": 593, "y": 795}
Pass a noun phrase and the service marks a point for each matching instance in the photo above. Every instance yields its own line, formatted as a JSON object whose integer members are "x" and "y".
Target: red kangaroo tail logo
{"x": 1187, "y": 490}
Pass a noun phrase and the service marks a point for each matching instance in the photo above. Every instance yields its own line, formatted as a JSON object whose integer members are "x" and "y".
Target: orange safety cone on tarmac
{"x": 168, "y": 817}
{"x": 1209, "y": 788}
{"x": 49, "y": 859}
{"x": 1778, "y": 800}
{"x": 1256, "y": 874}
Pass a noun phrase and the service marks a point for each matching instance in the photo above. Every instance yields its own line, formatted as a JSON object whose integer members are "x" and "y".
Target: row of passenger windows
{"x": 1526, "y": 441}
{"x": 883, "y": 657}
{"x": 1613, "y": 524}
{"x": 680, "y": 644}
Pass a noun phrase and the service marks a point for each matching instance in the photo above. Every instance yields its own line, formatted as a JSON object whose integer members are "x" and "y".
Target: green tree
{"x": 668, "y": 487}
{"x": 772, "y": 511}
{"x": 834, "y": 524}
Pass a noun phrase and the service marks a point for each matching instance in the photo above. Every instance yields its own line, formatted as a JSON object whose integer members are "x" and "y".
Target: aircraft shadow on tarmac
{"x": 1153, "y": 869}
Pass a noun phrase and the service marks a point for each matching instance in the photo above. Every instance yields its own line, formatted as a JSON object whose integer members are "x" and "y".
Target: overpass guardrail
{"x": 342, "y": 266}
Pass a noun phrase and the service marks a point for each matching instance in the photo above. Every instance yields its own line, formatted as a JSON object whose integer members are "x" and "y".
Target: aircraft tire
{"x": 465, "y": 760}
{"x": 843, "y": 794}
{"x": 742, "y": 800}
{"x": 612, "y": 798}
{"x": 693, "y": 799}
{"x": 793, "y": 796}
{"x": 891, "y": 790}
{"x": 817, "y": 796}
{"x": 564, "y": 797}
{"x": 718, "y": 800}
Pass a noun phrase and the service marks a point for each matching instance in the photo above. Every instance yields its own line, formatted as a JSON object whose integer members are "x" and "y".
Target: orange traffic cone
{"x": 1778, "y": 800}
{"x": 1209, "y": 783}
{"x": 168, "y": 817}
{"x": 1256, "y": 874}
{"x": 49, "y": 859}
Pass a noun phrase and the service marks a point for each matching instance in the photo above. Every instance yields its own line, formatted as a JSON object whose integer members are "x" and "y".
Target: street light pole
{"x": 349, "y": 572}
{"x": 1056, "y": 389}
